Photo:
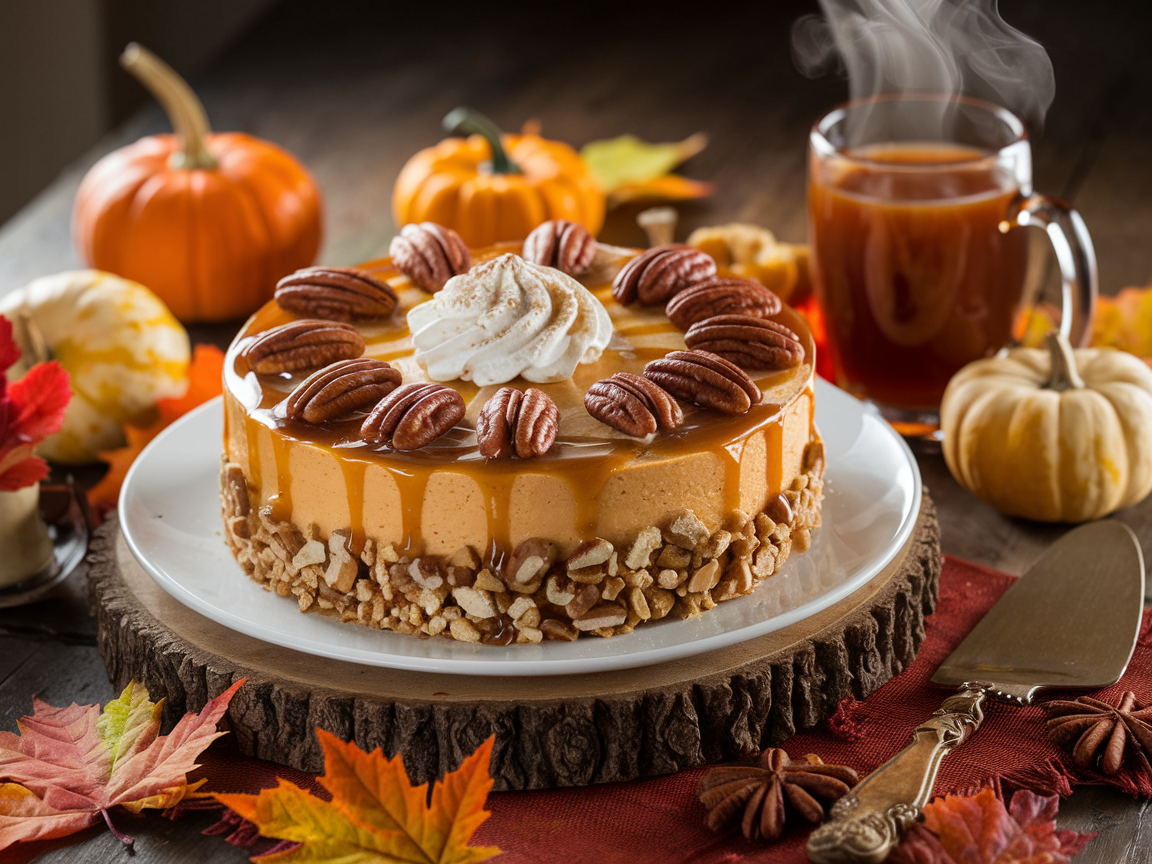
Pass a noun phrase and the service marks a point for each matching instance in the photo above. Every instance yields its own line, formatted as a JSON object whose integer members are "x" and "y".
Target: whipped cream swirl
{"x": 509, "y": 317}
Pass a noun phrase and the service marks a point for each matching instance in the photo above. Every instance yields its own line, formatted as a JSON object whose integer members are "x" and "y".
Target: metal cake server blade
{"x": 1071, "y": 621}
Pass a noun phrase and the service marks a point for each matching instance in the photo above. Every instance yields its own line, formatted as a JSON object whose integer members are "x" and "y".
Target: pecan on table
{"x": 655, "y": 276}
{"x": 306, "y": 344}
{"x": 718, "y": 296}
{"x": 759, "y": 797}
{"x": 336, "y": 294}
{"x": 429, "y": 254}
{"x": 566, "y": 246}
{"x": 750, "y": 342}
{"x": 340, "y": 389}
{"x": 517, "y": 423}
{"x": 412, "y": 416}
{"x": 633, "y": 405}
{"x": 706, "y": 380}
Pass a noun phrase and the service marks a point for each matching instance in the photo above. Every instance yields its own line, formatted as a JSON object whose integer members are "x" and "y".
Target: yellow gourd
{"x": 123, "y": 350}
{"x": 1051, "y": 434}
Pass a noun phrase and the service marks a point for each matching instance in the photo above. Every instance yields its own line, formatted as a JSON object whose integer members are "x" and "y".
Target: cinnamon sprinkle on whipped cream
{"x": 506, "y": 318}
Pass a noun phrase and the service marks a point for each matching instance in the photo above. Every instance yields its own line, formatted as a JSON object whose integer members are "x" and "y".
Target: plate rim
{"x": 491, "y": 666}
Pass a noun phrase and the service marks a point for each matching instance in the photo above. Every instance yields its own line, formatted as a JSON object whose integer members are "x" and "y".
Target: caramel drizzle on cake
{"x": 584, "y": 463}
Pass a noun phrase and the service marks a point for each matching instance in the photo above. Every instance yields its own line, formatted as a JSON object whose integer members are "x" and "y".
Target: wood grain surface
{"x": 354, "y": 88}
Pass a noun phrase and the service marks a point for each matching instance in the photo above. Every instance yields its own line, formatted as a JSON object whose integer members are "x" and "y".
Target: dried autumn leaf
{"x": 977, "y": 829}
{"x": 670, "y": 187}
{"x": 69, "y": 767}
{"x": 375, "y": 813}
{"x": 628, "y": 168}
{"x": 205, "y": 381}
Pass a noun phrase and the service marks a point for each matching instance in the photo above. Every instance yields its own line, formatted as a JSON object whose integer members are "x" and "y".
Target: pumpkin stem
{"x": 32, "y": 339}
{"x": 465, "y": 121}
{"x": 184, "y": 110}
{"x": 1064, "y": 373}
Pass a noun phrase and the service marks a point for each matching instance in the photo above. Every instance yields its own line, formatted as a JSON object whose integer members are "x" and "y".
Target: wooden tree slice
{"x": 567, "y": 730}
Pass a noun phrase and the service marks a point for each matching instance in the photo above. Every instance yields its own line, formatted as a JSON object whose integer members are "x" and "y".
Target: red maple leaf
{"x": 9, "y": 350}
{"x": 977, "y": 829}
{"x": 30, "y": 410}
{"x": 40, "y": 398}
{"x": 69, "y": 767}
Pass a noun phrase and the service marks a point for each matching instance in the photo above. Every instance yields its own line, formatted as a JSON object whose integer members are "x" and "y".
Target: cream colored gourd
{"x": 123, "y": 350}
{"x": 1054, "y": 435}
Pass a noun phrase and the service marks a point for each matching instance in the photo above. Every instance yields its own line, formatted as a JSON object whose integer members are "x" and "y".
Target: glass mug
{"x": 913, "y": 205}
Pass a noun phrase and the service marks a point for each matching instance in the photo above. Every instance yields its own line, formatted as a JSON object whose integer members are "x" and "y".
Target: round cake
{"x": 609, "y": 526}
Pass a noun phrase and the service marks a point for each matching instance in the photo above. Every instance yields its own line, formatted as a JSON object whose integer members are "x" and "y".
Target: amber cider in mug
{"x": 913, "y": 205}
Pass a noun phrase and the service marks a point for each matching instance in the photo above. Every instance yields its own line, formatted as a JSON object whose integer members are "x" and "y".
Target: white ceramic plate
{"x": 170, "y": 513}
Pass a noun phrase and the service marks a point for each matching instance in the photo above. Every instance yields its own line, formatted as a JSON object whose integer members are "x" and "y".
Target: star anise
{"x": 1102, "y": 733}
{"x": 756, "y": 794}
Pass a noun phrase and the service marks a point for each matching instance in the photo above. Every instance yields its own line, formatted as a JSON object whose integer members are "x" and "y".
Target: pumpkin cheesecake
{"x": 514, "y": 453}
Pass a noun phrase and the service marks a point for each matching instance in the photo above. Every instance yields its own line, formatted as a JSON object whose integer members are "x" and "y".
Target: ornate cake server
{"x": 1071, "y": 621}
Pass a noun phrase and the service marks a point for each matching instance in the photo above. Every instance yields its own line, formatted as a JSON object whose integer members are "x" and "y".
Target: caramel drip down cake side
{"x": 601, "y": 533}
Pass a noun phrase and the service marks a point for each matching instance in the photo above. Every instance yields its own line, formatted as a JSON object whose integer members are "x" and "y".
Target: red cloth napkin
{"x": 661, "y": 819}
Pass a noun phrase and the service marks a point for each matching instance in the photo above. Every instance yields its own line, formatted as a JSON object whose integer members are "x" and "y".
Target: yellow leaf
{"x": 375, "y": 814}
{"x": 627, "y": 160}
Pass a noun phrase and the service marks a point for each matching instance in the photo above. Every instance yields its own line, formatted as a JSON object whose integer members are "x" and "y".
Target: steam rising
{"x": 928, "y": 46}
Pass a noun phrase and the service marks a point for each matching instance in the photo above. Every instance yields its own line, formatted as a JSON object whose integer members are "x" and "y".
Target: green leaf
{"x": 626, "y": 160}
{"x": 125, "y": 719}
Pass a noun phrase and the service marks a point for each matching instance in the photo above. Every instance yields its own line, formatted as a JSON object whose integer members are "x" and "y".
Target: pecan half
{"x": 337, "y": 390}
{"x": 412, "y": 416}
{"x": 754, "y": 343}
{"x": 721, "y": 297}
{"x": 517, "y": 423}
{"x": 655, "y": 276}
{"x": 706, "y": 380}
{"x": 633, "y": 405}
{"x": 565, "y": 245}
{"x": 429, "y": 254}
{"x": 305, "y": 344}
{"x": 335, "y": 294}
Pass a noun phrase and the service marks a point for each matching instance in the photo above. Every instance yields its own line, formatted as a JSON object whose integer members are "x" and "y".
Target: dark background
{"x": 355, "y": 87}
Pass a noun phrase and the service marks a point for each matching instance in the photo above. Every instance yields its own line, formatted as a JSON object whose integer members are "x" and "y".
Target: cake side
{"x": 680, "y": 569}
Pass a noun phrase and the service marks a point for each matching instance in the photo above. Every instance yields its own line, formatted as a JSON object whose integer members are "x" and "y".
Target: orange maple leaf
{"x": 375, "y": 811}
{"x": 205, "y": 381}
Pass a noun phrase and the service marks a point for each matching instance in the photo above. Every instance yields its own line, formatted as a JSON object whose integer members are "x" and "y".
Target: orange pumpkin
{"x": 209, "y": 222}
{"x": 492, "y": 187}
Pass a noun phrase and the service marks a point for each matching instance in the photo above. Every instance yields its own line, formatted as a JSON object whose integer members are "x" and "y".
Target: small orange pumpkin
{"x": 491, "y": 187}
{"x": 209, "y": 222}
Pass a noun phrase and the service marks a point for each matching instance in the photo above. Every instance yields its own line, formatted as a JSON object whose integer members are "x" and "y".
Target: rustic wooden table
{"x": 353, "y": 89}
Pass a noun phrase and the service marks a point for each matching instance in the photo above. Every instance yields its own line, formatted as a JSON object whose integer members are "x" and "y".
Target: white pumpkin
{"x": 122, "y": 348}
{"x": 1054, "y": 435}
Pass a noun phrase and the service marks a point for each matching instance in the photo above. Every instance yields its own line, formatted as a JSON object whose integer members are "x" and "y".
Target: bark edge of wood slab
{"x": 571, "y": 730}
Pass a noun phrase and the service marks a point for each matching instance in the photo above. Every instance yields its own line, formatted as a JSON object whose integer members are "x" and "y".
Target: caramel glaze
{"x": 586, "y": 455}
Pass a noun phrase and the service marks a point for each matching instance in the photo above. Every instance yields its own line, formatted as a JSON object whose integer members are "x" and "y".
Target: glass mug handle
{"x": 1074, "y": 254}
